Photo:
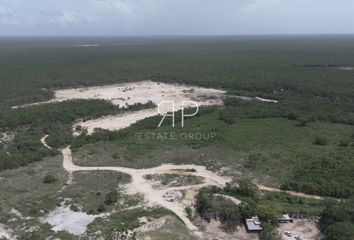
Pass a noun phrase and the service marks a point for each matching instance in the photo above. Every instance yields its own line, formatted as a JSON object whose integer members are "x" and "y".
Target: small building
{"x": 284, "y": 218}
{"x": 253, "y": 224}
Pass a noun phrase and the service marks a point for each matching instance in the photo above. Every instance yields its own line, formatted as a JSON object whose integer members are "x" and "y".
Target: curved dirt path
{"x": 153, "y": 197}
{"x": 254, "y": 98}
{"x": 293, "y": 193}
{"x": 43, "y": 141}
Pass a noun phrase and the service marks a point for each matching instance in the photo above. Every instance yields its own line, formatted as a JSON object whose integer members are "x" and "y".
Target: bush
{"x": 111, "y": 197}
{"x": 209, "y": 207}
{"x": 322, "y": 141}
{"x": 245, "y": 188}
{"x": 101, "y": 208}
{"x": 74, "y": 208}
{"x": 340, "y": 231}
{"x": 268, "y": 232}
{"x": 189, "y": 212}
{"x": 49, "y": 178}
{"x": 344, "y": 143}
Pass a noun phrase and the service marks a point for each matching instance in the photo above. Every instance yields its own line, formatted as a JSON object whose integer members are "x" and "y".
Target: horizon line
{"x": 185, "y": 35}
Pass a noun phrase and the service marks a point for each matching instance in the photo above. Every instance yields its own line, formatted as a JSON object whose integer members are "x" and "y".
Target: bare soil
{"x": 309, "y": 230}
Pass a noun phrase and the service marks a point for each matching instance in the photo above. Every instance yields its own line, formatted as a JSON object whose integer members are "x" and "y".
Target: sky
{"x": 174, "y": 17}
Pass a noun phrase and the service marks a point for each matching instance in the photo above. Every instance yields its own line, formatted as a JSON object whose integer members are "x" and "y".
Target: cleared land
{"x": 309, "y": 230}
{"x": 295, "y": 135}
{"x": 140, "y": 185}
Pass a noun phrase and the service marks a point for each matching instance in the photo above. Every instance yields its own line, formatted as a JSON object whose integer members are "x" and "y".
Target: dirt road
{"x": 297, "y": 194}
{"x": 153, "y": 197}
{"x": 43, "y": 141}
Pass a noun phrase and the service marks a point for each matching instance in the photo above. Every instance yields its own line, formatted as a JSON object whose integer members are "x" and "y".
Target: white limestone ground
{"x": 6, "y": 137}
{"x": 155, "y": 197}
{"x": 126, "y": 94}
{"x": 6, "y": 233}
{"x": 64, "y": 219}
{"x": 140, "y": 92}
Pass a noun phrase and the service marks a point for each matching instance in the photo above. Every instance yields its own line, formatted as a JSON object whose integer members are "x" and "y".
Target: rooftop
{"x": 253, "y": 224}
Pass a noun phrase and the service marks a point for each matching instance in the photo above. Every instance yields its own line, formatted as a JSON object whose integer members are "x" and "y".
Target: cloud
{"x": 257, "y": 6}
{"x": 8, "y": 16}
{"x": 122, "y": 6}
{"x": 160, "y": 17}
{"x": 68, "y": 18}
{"x": 4, "y": 13}
{"x": 64, "y": 18}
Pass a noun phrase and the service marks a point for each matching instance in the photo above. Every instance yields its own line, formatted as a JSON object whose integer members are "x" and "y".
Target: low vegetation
{"x": 175, "y": 180}
{"x": 305, "y": 142}
{"x": 49, "y": 178}
{"x": 32, "y": 123}
{"x": 209, "y": 206}
{"x": 338, "y": 221}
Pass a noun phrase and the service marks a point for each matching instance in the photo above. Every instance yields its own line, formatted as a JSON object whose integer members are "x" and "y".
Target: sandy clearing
{"x": 126, "y": 94}
{"x": 138, "y": 92}
{"x": 6, "y": 233}
{"x": 141, "y": 92}
{"x": 309, "y": 230}
{"x": 114, "y": 123}
{"x": 297, "y": 194}
{"x": 6, "y": 137}
{"x": 64, "y": 219}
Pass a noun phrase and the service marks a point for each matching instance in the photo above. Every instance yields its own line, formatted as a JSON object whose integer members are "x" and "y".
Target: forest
{"x": 336, "y": 222}
{"x": 32, "y": 123}
{"x": 310, "y": 131}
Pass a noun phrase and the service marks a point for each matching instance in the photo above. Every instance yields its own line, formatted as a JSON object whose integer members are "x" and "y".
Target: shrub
{"x": 111, "y": 197}
{"x": 74, "y": 208}
{"x": 101, "y": 208}
{"x": 49, "y": 178}
{"x": 189, "y": 212}
{"x": 322, "y": 141}
{"x": 344, "y": 143}
{"x": 340, "y": 231}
